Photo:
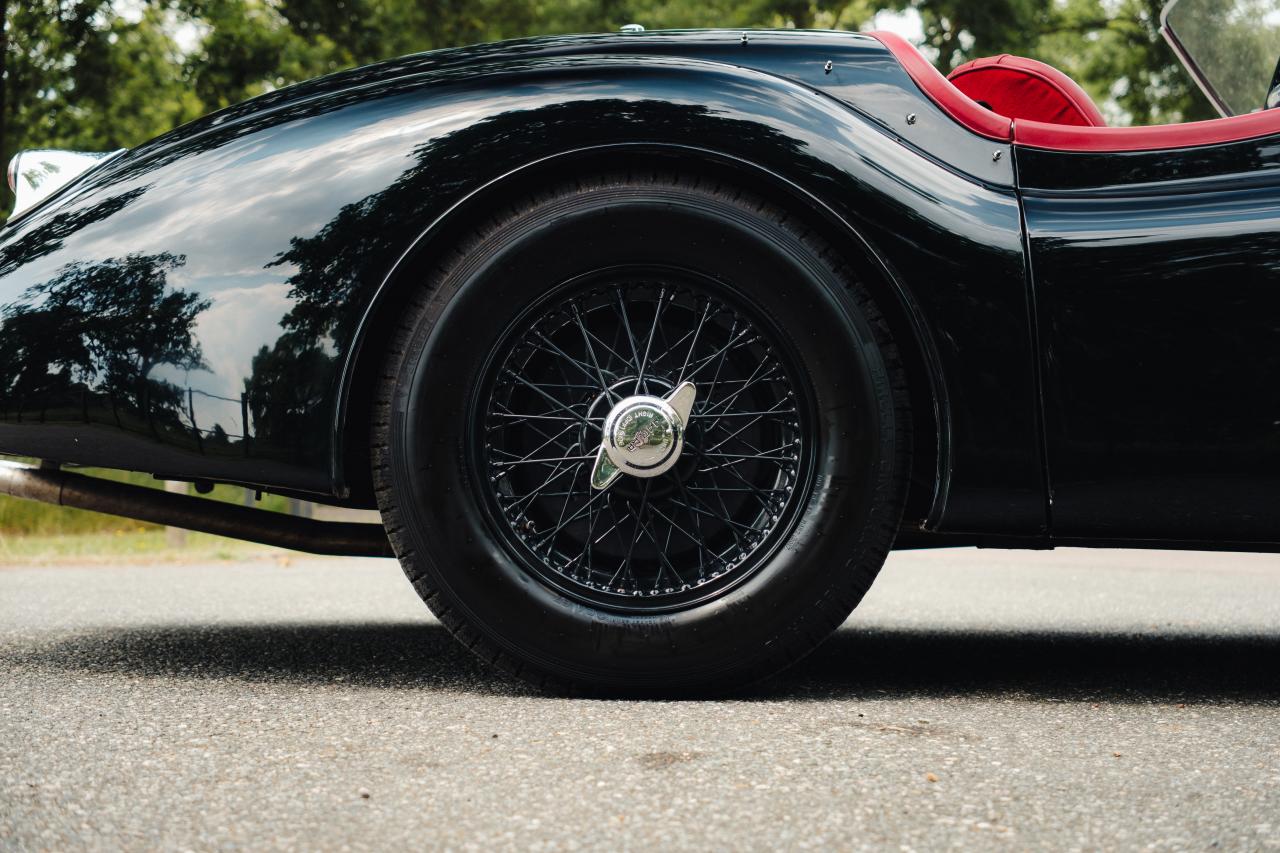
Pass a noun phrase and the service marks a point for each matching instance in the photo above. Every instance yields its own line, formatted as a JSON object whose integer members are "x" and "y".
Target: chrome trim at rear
{"x": 36, "y": 174}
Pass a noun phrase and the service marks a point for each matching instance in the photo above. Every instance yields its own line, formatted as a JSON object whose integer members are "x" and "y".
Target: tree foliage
{"x": 102, "y": 74}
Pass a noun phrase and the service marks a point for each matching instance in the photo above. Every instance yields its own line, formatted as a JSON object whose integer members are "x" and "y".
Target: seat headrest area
{"x": 1022, "y": 88}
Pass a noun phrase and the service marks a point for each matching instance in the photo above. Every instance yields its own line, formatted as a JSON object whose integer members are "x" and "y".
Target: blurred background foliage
{"x": 104, "y": 74}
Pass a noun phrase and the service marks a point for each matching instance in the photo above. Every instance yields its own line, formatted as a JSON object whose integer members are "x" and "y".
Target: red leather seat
{"x": 1022, "y": 88}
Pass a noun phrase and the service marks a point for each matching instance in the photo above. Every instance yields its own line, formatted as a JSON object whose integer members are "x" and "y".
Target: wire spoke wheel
{"x": 641, "y": 433}
{"x": 643, "y": 542}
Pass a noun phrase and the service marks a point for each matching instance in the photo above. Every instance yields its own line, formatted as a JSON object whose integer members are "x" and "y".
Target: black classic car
{"x": 650, "y": 346}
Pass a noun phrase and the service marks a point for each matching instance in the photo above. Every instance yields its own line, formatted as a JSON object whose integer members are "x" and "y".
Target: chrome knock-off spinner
{"x": 643, "y": 436}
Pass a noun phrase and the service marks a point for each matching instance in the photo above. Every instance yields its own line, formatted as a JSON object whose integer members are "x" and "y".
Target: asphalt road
{"x": 1117, "y": 700}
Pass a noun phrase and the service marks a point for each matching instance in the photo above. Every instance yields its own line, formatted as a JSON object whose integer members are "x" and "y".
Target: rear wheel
{"x": 641, "y": 434}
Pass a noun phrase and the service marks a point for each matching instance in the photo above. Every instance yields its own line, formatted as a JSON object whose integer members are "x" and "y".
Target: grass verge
{"x": 133, "y": 546}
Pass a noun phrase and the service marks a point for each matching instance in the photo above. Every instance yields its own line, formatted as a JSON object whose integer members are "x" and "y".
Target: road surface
{"x": 1074, "y": 699}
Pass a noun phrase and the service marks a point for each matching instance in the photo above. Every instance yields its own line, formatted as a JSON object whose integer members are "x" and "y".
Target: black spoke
{"x": 591, "y": 351}
{"x": 539, "y": 491}
{"x": 702, "y": 321}
{"x": 539, "y": 448}
{"x": 631, "y": 338}
{"x": 744, "y": 414}
{"x": 546, "y": 461}
{"x": 586, "y": 369}
{"x": 523, "y": 416}
{"x": 558, "y": 404}
{"x": 644, "y": 361}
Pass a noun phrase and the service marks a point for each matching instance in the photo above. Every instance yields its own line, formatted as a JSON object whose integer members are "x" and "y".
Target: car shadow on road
{"x": 858, "y": 662}
{"x": 1072, "y": 666}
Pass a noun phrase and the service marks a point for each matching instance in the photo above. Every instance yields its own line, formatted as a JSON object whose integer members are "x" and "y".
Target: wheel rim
{"x": 715, "y": 515}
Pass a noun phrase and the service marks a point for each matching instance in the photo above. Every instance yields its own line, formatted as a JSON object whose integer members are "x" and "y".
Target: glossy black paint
{"x": 235, "y": 271}
{"x": 1158, "y": 294}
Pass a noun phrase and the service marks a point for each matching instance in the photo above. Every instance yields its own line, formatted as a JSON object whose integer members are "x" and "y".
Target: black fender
{"x": 289, "y": 223}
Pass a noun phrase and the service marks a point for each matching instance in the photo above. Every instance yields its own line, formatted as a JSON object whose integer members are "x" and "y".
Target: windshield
{"x": 1229, "y": 46}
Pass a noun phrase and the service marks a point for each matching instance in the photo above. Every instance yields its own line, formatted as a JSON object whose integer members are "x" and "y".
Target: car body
{"x": 1087, "y": 317}
{"x": 391, "y": 153}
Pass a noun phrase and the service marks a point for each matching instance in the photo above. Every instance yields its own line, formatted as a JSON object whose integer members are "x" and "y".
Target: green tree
{"x": 249, "y": 47}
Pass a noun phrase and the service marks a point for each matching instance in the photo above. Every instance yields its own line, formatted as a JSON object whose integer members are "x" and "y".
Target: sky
{"x": 906, "y": 23}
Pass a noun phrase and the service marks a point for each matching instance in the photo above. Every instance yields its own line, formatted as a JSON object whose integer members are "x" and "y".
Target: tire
{"x": 721, "y": 571}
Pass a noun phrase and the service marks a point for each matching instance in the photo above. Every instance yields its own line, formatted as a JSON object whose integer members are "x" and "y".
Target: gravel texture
{"x": 1065, "y": 700}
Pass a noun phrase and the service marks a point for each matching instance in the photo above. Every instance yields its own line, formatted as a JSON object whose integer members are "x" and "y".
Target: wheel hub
{"x": 643, "y": 436}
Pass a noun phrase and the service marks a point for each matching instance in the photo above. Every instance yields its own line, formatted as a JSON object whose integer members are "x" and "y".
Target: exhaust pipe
{"x": 63, "y": 488}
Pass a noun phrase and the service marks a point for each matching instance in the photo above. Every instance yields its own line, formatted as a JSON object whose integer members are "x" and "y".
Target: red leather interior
{"x": 1022, "y": 88}
{"x": 1064, "y": 137}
